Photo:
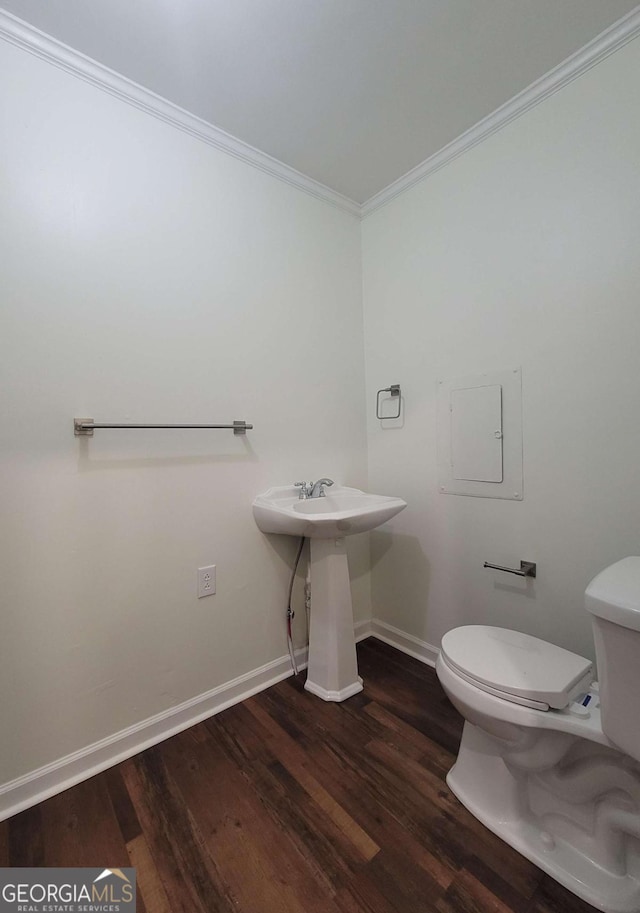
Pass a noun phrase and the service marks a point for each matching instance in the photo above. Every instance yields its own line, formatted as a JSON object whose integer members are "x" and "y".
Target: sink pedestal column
{"x": 332, "y": 673}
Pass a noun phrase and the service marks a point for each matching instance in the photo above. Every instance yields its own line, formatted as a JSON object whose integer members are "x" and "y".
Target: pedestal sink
{"x": 332, "y": 672}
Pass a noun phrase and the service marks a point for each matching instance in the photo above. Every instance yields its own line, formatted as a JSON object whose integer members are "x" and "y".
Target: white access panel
{"x": 480, "y": 435}
{"x": 476, "y": 433}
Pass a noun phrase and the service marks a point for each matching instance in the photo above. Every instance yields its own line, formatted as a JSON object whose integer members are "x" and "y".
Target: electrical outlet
{"x": 206, "y": 581}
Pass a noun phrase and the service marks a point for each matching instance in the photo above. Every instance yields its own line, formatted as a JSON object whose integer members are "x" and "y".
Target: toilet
{"x": 550, "y": 758}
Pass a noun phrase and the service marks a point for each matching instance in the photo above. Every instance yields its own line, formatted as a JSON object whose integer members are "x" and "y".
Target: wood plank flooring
{"x": 287, "y": 804}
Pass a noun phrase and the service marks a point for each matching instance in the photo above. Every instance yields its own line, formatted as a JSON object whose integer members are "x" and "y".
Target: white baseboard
{"x": 47, "y": 781}
{"x": 363, "y": 629}
{"x": 407, "y": 643}
{"x": 342, "y": 695}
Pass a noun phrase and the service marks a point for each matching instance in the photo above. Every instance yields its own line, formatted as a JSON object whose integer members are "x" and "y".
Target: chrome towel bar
{"x": 84, "y": 427}
{"x": 527, "y": 568}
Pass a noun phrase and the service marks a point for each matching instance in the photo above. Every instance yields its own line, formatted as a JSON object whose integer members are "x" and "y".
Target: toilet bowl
{"x": 550, "y": 759}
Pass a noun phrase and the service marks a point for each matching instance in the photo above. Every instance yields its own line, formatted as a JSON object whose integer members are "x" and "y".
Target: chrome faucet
{"x": 317, "y": 490}
{"x": 312, "y": 489}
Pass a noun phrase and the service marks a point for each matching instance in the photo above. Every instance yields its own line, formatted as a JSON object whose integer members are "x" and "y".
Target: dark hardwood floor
{"x": 287, "y": 804}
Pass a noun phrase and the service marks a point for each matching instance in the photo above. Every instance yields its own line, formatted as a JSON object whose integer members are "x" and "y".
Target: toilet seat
{"x": 516, "y": 667}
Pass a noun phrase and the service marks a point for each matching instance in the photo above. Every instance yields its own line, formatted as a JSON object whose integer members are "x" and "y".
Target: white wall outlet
{"x": 206, "y": 581}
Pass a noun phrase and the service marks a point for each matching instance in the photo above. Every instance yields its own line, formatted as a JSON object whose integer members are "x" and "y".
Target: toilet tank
{"x": 613, "y": 599}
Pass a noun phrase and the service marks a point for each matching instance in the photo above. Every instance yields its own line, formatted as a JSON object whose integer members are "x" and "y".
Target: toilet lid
{"x": 516, "y": 664}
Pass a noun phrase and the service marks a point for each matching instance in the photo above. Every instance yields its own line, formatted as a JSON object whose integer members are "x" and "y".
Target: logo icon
{"x": 117, "y": 872}
{"x": 43, "y": 890}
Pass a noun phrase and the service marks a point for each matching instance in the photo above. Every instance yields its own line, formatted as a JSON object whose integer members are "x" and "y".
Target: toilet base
{"x": 578, "y": 820}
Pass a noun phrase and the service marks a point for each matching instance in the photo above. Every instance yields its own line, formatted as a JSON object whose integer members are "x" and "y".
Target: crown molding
{"x": 25, "y": 36}
{"x": 604, "y": 44}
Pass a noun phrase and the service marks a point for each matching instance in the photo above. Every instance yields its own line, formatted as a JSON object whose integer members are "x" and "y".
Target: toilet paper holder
{"x": 527, "y": 568}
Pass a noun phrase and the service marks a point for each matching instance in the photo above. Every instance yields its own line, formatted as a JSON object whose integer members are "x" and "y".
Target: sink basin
{"x": 342, "y": 512}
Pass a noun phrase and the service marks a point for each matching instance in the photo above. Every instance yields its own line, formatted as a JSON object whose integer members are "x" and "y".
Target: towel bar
{"x": 84, "y": 427}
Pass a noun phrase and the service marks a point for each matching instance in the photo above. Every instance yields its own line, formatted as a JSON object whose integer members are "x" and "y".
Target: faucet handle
{"x": 304, "y": 487}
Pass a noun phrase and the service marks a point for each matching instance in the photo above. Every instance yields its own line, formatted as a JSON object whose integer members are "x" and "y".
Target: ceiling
{"x": 353, "y": 93}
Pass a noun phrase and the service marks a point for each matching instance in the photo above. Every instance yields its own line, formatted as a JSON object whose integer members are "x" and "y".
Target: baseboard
{"x": 47, "y": 781}
{"x": 363, "y": 629}
{"x": 407, "y": 643}
{"x": 342, "y": 695}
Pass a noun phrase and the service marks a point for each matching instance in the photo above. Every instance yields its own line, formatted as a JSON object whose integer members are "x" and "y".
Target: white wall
{"x": 147, "y": 277}
{"x": 524, "y": 251}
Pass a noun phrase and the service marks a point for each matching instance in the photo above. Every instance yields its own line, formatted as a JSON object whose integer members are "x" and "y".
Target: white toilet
{"x": 549, "y": 760}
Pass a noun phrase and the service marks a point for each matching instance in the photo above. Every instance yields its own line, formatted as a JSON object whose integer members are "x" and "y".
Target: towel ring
{"x": 394, "y": 390}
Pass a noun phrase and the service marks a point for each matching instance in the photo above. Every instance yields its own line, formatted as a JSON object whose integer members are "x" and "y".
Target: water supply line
{"x": 307, "y": 598}
{"x": 290, "y": 612}
{"x": 290, "y": 615}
